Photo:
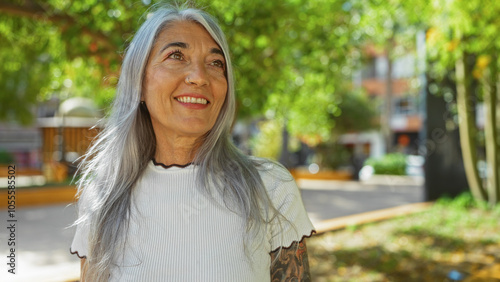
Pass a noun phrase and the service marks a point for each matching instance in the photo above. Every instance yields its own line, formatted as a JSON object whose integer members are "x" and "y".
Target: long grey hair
{"x": 121, "y": 152}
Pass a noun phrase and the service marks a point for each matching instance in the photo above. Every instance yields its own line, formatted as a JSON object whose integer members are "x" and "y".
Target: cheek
{"x": 152, "y": 99}
{"x": 221, "y": 100}
{"x": 154, "y": 92}
{"x": 221, "y": 90}
{"x": 148, "y": 87}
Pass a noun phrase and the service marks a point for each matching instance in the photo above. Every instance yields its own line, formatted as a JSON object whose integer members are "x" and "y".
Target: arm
{"x": 292, "y": 264}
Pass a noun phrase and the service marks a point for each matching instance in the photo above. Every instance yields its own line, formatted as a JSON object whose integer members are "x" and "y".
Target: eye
{"x": 176, "y": 55}
{"x": 218, "y": 63}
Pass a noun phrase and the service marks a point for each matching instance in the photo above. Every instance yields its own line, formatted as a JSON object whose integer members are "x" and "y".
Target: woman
{"x": 164, "y": 194}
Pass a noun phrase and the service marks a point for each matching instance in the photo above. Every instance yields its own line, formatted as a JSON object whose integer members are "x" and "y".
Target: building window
{"x": 405, "y": 106}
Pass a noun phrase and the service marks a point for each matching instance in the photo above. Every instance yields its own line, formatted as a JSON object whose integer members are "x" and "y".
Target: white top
{"x": 176, "y": 233}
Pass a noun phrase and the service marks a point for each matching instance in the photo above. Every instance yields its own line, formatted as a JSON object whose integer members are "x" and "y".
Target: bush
{"x": 269, "y": 140}
{"x": 333, "y": 156}
{"x": 6, "y": 158}
{"x": 394, "y": 164}
{"x": 466, "y": 201}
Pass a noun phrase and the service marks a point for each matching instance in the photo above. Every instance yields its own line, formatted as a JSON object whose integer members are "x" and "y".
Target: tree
{"x": 462, "y": 38}
{"x": 62, "y": 48}
{"x": 463, "y": 35}
{"x": 387, "y": 25}
{"x": 25, "y": 67}
{"x": 291, "y": 57}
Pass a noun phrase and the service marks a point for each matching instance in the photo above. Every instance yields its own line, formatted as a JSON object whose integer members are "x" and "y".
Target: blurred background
{"x": 371, "y": 104}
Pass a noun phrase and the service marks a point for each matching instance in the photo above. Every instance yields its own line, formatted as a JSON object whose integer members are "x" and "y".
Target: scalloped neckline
{"x": 169, "y": 166}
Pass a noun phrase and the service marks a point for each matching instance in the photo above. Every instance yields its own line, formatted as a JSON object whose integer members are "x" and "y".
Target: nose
{"x": 197, "y": 75}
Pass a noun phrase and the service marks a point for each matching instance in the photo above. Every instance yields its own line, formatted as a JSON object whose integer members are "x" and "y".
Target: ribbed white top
{"x": 176, "y": 233}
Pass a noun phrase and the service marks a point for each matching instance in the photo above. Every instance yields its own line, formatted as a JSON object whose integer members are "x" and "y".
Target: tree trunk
{"x": 390, "y": 134}
{"x": 491, "y": 132}
{"x": 387, "y": 114}
{"x": 284, "y": 158}
{"x": 497, "y": 126}
{"x": 467, "y": 128}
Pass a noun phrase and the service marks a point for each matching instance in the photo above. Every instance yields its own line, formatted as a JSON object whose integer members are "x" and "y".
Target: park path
{"x": 326, "y": 199}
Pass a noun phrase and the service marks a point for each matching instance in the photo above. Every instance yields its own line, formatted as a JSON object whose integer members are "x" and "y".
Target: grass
{"x": 454, "y": 235}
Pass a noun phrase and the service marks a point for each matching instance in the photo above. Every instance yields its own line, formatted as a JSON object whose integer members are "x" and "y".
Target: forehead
{"x": 188, "y": 32}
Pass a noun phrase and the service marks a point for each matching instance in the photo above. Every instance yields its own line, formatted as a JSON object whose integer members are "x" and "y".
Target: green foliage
{"x": 393, "y": 164}
{"x": 456, "y": 27}
{"x": 388, "y": 24}
{"x": 464, "y": 202}
{"x": 356, "y": 112}
{"x": 6, "y": 157}
{"x": 332, "y": 155}
{"x": 463, "y": 45}
{"x": 268, "y": 143}
{"x": 412, "y": 247}
{"x": 26, "y": 57}
{"x": 293, "y": 58}
{"x": 62, "y": 49}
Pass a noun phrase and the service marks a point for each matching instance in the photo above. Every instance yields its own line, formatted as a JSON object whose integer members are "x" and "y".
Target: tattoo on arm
{"x": 292, "y": 264}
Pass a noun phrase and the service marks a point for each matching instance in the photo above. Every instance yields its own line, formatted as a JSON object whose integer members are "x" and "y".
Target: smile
{"x": 192, "y": 100}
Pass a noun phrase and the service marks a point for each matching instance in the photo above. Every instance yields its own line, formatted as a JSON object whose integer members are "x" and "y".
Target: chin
{"x": 192, "y": 132}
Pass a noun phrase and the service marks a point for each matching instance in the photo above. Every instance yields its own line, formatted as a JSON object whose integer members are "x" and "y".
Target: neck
{"x": 177, "y": 150}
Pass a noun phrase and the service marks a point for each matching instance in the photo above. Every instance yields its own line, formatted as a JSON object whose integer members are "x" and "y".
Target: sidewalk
{"x": 43, "y": 240}
{"x": 327, "y": 199}
{"x": 42, "y": 244}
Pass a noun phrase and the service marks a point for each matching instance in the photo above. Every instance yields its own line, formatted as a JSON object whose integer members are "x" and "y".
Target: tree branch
{"x": 34, "y": 11}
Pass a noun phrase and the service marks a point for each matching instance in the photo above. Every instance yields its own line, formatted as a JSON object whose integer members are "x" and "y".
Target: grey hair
{"x": 121, "y": 152}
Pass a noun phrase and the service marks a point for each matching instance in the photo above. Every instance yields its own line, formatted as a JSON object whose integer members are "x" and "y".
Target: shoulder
{"x": 273, "y": 174}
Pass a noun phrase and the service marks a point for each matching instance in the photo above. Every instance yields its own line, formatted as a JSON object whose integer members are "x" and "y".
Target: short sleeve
{"x": 288, "y": 201}
{"x": 79, "y": 246}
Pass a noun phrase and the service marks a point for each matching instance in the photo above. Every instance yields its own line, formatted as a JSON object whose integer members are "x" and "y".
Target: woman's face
{"x": 185, "y": 84}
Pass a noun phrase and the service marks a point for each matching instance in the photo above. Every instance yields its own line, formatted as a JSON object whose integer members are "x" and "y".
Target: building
{"x": 406, "y": 119}
{"x": 61, "y": 134}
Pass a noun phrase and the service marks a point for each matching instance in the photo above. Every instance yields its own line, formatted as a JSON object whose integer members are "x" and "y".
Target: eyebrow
{"x": 216, "y": 51}
{"x": 184, "y": 45}
{"x": 176, "y": 44}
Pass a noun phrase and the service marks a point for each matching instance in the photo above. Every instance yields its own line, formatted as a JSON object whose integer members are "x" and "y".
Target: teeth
{"x": 192, "y": 100}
